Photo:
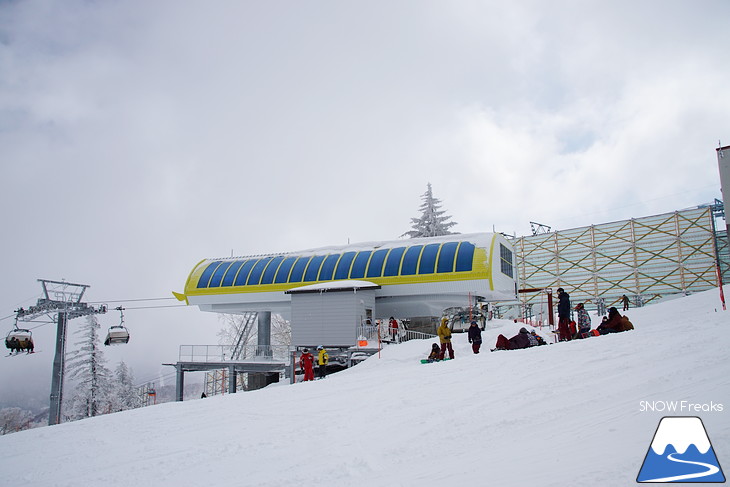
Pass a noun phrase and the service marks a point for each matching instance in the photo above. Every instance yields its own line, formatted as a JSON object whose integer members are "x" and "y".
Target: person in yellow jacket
{"x": 444, "y": 334}
{"x": 322, "y": 359}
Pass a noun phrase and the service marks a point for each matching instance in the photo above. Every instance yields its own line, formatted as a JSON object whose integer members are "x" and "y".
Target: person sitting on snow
{"x": 584, "y": 321}
{"x": 435, "y": 352}
{"x": 521, "y": 340}
{"x": 540, "y": 340}
{"x": 615, "y": 323}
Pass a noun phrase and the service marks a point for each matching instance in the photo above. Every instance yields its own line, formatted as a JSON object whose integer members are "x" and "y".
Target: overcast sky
{"x": 137, "y": 138}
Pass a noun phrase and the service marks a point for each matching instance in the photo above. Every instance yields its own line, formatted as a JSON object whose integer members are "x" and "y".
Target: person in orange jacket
{"x": 306, "y": 362}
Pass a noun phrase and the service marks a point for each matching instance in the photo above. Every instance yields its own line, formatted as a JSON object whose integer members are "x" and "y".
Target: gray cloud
{"x": 137, "y": 138}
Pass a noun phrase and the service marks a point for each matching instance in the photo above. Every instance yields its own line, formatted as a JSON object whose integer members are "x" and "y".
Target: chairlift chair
{"x": 19, "y": 339}
{"x": 118, "y": 334}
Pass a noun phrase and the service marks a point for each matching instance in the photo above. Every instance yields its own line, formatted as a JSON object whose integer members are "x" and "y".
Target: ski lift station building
{"x": 328, "y": 293}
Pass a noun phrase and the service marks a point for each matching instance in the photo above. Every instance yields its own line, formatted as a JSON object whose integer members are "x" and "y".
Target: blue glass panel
{"x": 215, "y": 281}
{"x": 255, "y": 277}
{"x": 465, "y": 257}
{"x": 358, "y": 267}
{"x": 447, "y": 256}
{"x": 343, "y": 266}
{"x": 270, "y": 271}
{"x": 205, "y": 276}
{"x": 313, "y": 268}
{"x": 231, "y": 274}
{"x": 428, "y": 259}
{"x": 328, "y": 267}
{"x": 392, "y": 265}
{"x": 284, "y": 269}
{"x": 242, "y": 276}
{"x": 375, "y": 269}
{"x": 298, "y": 271}
{"x": 410, "y": 260}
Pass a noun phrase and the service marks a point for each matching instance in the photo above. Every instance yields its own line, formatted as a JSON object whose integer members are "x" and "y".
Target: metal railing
{"x": 224, "y": 353}
{"x": 382, "y": 333}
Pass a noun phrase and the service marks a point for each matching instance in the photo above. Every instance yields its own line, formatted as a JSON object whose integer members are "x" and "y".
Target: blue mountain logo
{"x": 681, "y": 452}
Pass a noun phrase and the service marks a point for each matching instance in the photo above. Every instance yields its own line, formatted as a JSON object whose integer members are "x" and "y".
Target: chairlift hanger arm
{"x": 72, "y": 310}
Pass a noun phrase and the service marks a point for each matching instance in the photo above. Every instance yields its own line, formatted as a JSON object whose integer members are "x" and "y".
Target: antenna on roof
{"x": 538, "y": 228}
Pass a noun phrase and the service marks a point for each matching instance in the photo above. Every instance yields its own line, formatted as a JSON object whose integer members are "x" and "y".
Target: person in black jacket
{"x": 475, "y": 336}
{"x": 563, "y": 315}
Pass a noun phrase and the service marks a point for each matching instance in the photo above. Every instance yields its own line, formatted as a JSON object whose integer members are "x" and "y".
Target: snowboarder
{"x": 322, "y": 360}
{"x": 306, "y": 363}
{"x": 444, "y": 334}
{"x": 435, "y": 353}
{"x": 563, "y": 315}
{"x": 475, "y": 336}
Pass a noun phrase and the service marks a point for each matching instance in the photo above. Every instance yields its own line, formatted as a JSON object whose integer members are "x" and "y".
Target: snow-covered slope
{"x": 566, "y": 414}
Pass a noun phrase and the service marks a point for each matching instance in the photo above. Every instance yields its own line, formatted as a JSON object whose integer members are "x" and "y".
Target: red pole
{"x": 719, "y": 283}
{"x": 551, "y": 320}
{"x": 379, "y": 347}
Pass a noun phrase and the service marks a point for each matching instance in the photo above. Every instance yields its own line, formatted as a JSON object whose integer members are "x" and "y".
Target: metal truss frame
{"x": 644, "y": 258}
{"x": 216, "y": 382}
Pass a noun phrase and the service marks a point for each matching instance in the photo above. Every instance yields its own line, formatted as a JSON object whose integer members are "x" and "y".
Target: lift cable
{"x": 156, "y": 307}
{"x": 130, "y": 300}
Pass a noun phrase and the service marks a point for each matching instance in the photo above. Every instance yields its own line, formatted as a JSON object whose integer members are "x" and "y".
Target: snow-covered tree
{"x": 238, "y": 330}
{"x": 124, "y": 395}
{"x": 432, "y": 222}
{"x": 280, "y": 330}
{"x": 240, "y": 333}
{"x": 86, "y": 367}
{"x": 14, "y": 419}
{"x": 244, "y": 329}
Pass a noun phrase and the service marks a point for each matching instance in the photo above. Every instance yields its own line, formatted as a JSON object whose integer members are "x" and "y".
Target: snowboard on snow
{"x": 425, "y": 361}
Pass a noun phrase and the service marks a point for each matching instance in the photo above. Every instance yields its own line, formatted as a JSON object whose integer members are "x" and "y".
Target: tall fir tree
{"x": 432, "y": 222}
{"x": 124, "y": 394}
{"x": 87, "y": 368}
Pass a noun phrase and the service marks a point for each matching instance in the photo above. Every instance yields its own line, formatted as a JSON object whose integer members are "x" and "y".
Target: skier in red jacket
{"x": 306, "y": 362}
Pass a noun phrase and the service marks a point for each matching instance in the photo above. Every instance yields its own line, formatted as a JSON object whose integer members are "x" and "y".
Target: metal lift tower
{"x": 64, "y": 300}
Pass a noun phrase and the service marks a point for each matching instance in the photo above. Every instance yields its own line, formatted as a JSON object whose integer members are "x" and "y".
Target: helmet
{"x": 305, "y": 350}
{"x": 320, "y": 347}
